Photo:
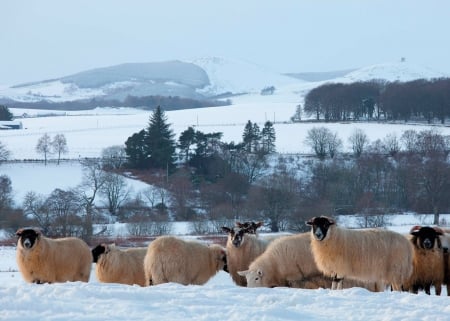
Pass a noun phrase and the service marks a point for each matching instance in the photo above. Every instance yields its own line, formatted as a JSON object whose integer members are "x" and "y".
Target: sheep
{"x": 288, "y": 261}
{"x": 115, "y": 265}
{"x": 428, "y": 260}
{"x": 44, "y": 260}
{"x": 371, "y": 255}
{"x": 170, "y": 259}
{"x": 242, "y": 249}
{"x": 445, "y": 241}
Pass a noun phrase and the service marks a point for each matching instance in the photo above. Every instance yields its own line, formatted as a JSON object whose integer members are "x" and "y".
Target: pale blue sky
{"x": 53, "y": 38}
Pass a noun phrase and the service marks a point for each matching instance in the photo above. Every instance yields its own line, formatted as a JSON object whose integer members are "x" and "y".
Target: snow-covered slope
{"x": 234, "y": 76}
{"x": 395, "y": 71}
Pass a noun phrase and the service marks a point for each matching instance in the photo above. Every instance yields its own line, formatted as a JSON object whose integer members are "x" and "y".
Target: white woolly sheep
{"x": 428, "y": 260}
{"x": 44, "y": 260}
{"x": 242, "y": 249}
{"x": 445, "y": 241}
{"x": 170, "y": 259}
{"x": 370, "y": 255}
{"x": 288, "y": 261}
{"x": 115, "y": 265}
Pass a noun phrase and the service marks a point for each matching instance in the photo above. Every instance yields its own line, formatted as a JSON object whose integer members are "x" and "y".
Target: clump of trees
{"x": 47, "y": 146}
{"x": 419, "y": 99}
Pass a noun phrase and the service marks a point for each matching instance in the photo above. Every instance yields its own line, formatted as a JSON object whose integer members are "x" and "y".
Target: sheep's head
{"x": 235, "y": 235}
{"x": 250, "y": 227}
{"x": 254, "y": 278}
{"x": 97, "y": 251}
{"x": 320, "y": 226}
{"x": 426, "y": 237}
{"x": 28, "y": 237}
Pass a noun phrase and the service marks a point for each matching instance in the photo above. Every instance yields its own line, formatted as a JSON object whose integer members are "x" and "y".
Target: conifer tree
{"x": 159, "y": 143}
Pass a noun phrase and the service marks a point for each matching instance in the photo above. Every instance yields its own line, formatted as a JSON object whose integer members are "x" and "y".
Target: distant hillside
{"x": 200, "y": 79}
{"x": 319, "y": 76}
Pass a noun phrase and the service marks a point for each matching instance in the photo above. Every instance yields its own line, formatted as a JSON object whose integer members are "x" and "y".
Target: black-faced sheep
{"x": 428, "y": 260}
{"x": 170, "y": 259}
{"x": 44, "y": 260}
{"x": 114, "y": 265}
{"x": 370, "y": 255}
{"x": 242, "y": 249}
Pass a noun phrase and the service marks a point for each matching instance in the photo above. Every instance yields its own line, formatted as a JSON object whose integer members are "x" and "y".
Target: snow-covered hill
{"x": 394, "y": 71}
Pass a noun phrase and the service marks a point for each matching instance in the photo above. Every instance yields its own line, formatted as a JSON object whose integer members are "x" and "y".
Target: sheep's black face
{"x": 238, "y": 238}
{"x": 236, "y": 235}
{"x": 97, "y": 251}
{"x": 320, "y": 226}
{"x": 27, "y": 238}
{"x": 426, "y": 237}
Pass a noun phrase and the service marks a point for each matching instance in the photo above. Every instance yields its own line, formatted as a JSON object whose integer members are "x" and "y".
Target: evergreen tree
{"x": 5, "y": 114}
{"x": 134, "y": 148}
{"x": 186, "y": 140}
{"x": 247, "y": 136}
{"x": 256, "y": 138}
{"x": 268, "y": 138}
{"x": 159, "y": 142}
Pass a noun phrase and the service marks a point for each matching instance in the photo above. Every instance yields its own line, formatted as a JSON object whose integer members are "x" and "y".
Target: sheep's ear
{"x": 331, "y": 221}
{"x": 259, "y": 224}
{"x": 243, "y": 273}
{"x": 438, "y": 230}
{"x": 310, "y": 221}
{"x": 226, "y": 229}
{"x": 415, "y": 230}
{"x": 19, "y": 232}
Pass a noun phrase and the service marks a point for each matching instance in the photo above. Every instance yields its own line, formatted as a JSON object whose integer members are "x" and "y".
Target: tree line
{"x": 427, "y": 100}
{"x": 145, "y": 102}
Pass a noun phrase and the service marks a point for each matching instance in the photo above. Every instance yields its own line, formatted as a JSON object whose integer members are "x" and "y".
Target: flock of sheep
{"x": 329, "y": 256}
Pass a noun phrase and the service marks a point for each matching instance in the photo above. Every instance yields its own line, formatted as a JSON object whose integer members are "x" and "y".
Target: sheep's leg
{"x": 336, "y": 284}
{"x": 427, "y": 288}
{"x": 438, "y": 288}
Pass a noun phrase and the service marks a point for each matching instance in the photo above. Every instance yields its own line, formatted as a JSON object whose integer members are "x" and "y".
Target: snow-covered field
{"x": 219, "y": 299}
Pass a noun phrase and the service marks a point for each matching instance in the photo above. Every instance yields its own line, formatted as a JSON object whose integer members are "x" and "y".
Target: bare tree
{"x": 113, "y": 157}
{"x": 44, "y": 146}
{"x": 318, "y": 139}
{"x": 359, "y": 140}
{"x": 4, "y": 153}
{"x": 409, "y": 140}
{"x": 334, "y": 144}
{"x": 34, "y": 205}
{"x": 59, "y": 145}
{"x": 116, "y": 191}
{"x": 391, "y": 144}
{"x": 6, "y": 199}
{"x": 63, "y": 208}
{"x": 92, "y": 182}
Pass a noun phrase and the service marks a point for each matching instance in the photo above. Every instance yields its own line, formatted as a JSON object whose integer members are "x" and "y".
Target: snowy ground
{"x": 219, "y": 299}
